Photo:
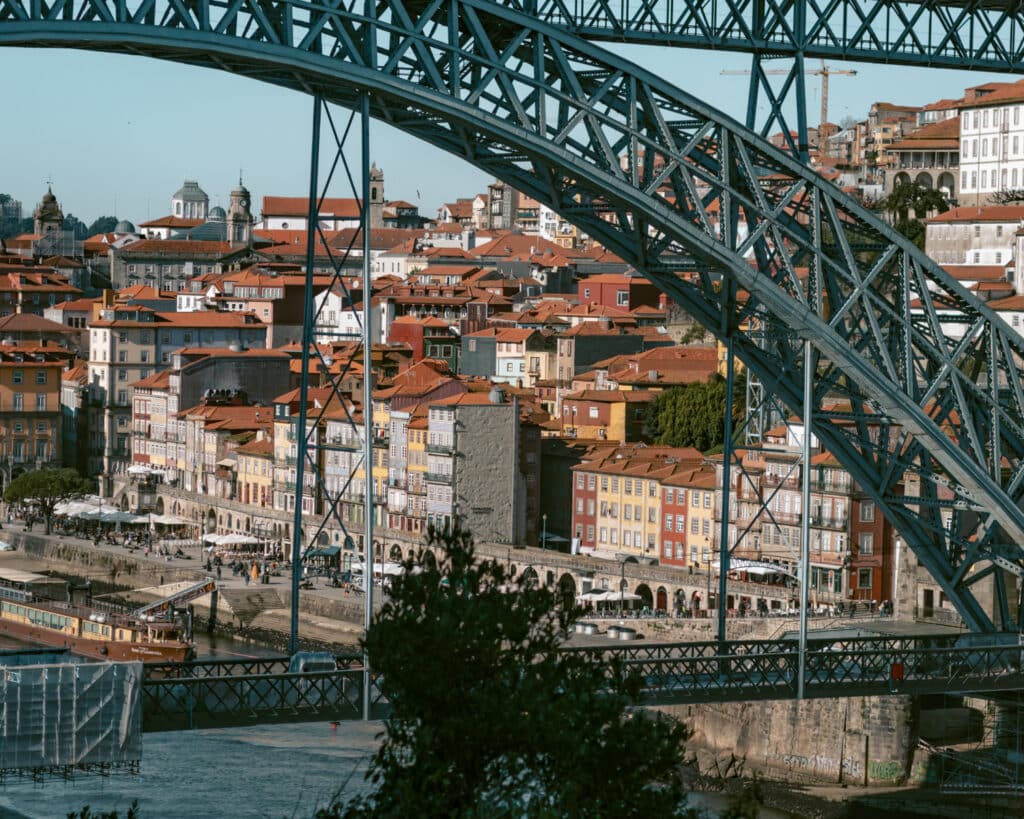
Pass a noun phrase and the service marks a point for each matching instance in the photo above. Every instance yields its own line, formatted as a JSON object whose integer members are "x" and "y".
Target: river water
{"x": 269, "y": 772}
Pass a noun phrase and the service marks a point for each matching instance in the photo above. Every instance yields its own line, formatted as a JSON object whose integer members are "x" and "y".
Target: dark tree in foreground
{"x": 47, "y": 487}
{"x": 492, "y": 718}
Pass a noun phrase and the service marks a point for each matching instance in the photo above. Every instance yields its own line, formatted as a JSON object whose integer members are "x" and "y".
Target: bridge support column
{"x": 211, "y": 622}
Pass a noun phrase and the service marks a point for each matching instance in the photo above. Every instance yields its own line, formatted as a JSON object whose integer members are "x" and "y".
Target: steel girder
{"x": 976, "y": 35}
{"x": 931, "y": 427}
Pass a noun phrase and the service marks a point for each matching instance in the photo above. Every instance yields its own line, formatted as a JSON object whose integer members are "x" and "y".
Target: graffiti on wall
{"x": 823, "y": 765}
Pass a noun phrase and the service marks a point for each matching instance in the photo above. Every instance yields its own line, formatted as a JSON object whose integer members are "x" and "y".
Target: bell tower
{"x": 376, "y": 197}
{"x": 239, "y": 227}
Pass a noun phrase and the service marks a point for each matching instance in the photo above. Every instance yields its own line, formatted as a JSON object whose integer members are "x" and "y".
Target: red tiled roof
{"x": 298, "y": 206}
{"x": 987, "y": 213}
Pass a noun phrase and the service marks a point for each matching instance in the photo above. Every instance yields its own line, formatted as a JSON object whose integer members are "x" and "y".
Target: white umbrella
{"x": 234, "y": 539}
{"x": 169, "y": 520}
{"x": 212, "y": 538}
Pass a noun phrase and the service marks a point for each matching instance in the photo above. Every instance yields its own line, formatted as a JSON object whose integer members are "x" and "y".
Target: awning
{"x": 756, "y": 567}
{"x": 228, "y": 462}
{"x": 325, "y": 551}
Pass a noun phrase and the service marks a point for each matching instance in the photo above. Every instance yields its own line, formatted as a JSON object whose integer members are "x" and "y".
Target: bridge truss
{"x": 930, "y": 424}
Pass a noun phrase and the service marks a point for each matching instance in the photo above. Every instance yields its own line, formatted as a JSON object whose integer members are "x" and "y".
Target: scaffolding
{"x": 991, "y": 761}
{"x": 66, "y": 718}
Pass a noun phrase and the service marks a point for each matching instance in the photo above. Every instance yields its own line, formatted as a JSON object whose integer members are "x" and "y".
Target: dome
{"x": 217, "y": 214}
{"x": 191, "y": 192}
{"x": 124, "y": 226}
{"x": 48, "y": 210}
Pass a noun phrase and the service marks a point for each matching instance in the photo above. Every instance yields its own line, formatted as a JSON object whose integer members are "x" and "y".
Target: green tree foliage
{"x": 104, "y": 224}
{"x": 47, "y": 487}
{"x": 75, "y": 225}
{"x": 491, "y": 718}
{"x": 1013, "y": 196}
{"x": 910, "y": 197}
{"x": 694, "y": 414}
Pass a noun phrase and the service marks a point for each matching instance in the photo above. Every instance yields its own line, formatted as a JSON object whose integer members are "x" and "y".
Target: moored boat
{"x": 86, "y": 631}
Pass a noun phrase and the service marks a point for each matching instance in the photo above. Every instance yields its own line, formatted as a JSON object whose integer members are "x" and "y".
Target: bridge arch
{"x": 602, "y": 142}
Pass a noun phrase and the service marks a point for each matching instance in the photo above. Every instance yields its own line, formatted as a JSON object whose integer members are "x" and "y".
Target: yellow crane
{"x": 824, "y": 72}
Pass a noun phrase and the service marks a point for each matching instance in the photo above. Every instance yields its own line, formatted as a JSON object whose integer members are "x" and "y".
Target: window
{"x": 579, "y": 480}
{"x": 604, "y": 483}
{"x": 622, "y": 298}
{"x": 604, "y": 535}
{"x": 40, "y": 376}
{"x": 705, "y": 527}
{"x": 866, "y": 543}
{"x": 586, "y": 292}
{"x": 18, "y": 377}
{"x": 122, "y": 396}
{"x": 680, "y": 524}
{"x": 707, "y": 500}
{"x": 963, "y": 179}
{"x": 695, "y": 498}
{"x": 615, "y": 484}
{"x": 629, "y": 486}
{"x": 144, "y": 356}
{"x": 122, "y": 375}
{"x": 667, "y": 549}
{"x": 627, "y": 511}
{"x": 19, "y": 402}
{"x": 591, "y": 481}
{"x": 864, "y": 578}
{"x": 579, "y": 506}
{"x": 41, "y": 402}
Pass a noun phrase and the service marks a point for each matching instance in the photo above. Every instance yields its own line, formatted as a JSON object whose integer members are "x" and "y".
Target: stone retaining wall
{"x": 857, "y": 741}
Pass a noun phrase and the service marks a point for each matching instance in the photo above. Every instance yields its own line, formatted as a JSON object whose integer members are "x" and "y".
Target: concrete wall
{"x": 489, "y": 488}
{"x": 859, "y": 741}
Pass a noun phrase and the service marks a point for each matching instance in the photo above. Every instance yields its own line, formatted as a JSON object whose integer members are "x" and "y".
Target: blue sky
{"x": 117, "y": 135}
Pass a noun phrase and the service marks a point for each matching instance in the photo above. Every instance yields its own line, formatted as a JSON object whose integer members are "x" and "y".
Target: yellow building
{"x": 256, "y": 472}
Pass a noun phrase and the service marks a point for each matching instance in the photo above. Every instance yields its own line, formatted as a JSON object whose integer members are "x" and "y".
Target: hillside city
{"x": 518, "y": 364}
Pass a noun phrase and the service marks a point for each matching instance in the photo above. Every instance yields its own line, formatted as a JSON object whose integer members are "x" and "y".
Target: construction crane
{"x": 824, "y": 72}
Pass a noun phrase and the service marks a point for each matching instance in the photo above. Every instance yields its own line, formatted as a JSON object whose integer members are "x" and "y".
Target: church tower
{"x": 376, "y": 197}
{"x": 48, "y": 216}
{"x": 239, "y": 227}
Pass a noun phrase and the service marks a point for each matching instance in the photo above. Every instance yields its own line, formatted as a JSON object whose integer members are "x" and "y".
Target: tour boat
{"x": 84, "y": 630}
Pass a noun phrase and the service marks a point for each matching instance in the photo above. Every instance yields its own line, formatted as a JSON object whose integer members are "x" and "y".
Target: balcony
{"x": 792, "y": 481}
{"x": 349, "y": 444}
{"x": 439, "y": 449}
{"x": 822, "y": 522}
{"x": 437, "y": 477}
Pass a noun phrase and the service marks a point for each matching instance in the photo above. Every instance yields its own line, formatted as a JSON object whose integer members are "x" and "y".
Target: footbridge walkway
{"x": 221, "y": 693}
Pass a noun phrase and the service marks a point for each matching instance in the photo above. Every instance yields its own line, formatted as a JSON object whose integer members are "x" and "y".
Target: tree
{"x": 694, "y": 414}
{"x": 1012, "y": 196}
{"x": 910, "y": 196}
{"x": 47, "y": 487}
{"x": 490, "y": 717}
{"x": 104, "y": 224}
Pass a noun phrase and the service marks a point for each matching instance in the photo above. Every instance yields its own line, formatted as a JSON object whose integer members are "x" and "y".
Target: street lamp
{"x": 622, "y": 586}
{"x": 544, "y": 531}
{"x": 707, "y": 600}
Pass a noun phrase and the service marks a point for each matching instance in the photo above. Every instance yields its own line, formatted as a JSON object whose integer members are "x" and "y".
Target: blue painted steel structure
{"x": 219, "y": 693}
{"x": 930, "y": 426}
{"x": 974, "y": 35}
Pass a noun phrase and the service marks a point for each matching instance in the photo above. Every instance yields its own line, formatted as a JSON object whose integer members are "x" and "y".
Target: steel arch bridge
{"x": 975, "y": 35}
{"x": 930, "y": 426}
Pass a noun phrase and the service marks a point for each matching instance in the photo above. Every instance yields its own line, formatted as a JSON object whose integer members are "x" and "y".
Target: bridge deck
{"x": 220, "y": 693}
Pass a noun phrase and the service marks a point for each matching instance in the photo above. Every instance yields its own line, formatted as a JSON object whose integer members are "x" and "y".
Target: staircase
{"x": 246, "y": 604}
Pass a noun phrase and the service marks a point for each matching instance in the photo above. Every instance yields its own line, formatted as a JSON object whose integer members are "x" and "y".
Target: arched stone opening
{"x": 565, "y": 595}
{"x": 646, "y": 597}
{"x": 661, "y": 599}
